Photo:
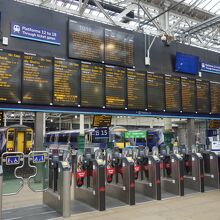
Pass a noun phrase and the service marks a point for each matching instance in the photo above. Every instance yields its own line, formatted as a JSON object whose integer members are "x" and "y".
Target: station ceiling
{"x": 193, "y": 22}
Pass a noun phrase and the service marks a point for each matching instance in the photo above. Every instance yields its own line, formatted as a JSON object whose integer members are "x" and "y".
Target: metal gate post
{"x": 1, "y": 191}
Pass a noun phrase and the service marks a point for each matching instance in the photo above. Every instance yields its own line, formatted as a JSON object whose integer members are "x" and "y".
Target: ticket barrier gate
{"x": 147, "y": 173}
{"x": 58, "y": 195}
{"x": 12, "y": 166}
{"x": 89, "y": 179}
{"x": 120, "y": 176}
{"x": 172, "y": 173}
{"x": 193, "y": 169}
{"x": 212, "y": 169}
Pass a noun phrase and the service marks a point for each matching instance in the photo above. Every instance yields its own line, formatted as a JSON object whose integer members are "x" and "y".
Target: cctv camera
{"x": 163, "y": 38}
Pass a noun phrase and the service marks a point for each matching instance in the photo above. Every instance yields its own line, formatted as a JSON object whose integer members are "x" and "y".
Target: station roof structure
{"x": 193, "y": 22}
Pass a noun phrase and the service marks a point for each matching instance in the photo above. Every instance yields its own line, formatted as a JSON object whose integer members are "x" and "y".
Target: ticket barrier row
{"x": 122, "y": 175}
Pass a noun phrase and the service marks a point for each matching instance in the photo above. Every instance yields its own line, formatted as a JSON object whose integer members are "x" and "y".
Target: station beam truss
{"x": 189, "y": 21}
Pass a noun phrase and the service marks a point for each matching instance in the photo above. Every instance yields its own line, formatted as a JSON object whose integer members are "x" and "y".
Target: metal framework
{"x": 194, "y": 22}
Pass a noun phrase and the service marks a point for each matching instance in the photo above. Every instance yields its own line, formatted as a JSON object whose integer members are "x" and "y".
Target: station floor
{"x": 199, "y": 206}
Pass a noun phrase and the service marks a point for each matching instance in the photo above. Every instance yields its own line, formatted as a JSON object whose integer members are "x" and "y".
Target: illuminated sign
{"x": 30, "y": 32}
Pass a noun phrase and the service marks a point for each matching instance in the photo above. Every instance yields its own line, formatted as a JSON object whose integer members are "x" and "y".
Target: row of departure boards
{"x": 31, "y": 79}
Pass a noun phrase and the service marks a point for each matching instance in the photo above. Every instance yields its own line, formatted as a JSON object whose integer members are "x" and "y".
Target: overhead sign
{"x": 12, "y": 160}
{"x": 214, "y": 124}
{"x": 205, "y": 67}
{"x": 102, "y": 120}
{"x": 101, "y": 133}
{"x": 30, "y": 32}
{"x": 39, "y": 158}
{"x": 135, "y": 134}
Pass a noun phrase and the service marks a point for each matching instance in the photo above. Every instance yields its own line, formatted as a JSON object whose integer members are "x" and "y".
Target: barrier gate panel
{"x": 12, "y": 162}
{"x": 39, "y": 160}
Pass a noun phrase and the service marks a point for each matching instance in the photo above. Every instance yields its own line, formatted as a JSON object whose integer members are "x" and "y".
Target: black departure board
{"x": 115, "y": 86}
{"x": 203, "y": 96}
{"x": 215, "y": 95}
{"x": 155, "y": 92}
{"x": 86, "y": 41}
{"x": 136, "y": 89}
{"x": 188, "y": 94}
{"x": 92, "y": 92}
{"x": 102, "y": 120}
{"x": 66, "y": 82}
{"x": 10, "y": 77}
{"x": 119, "y": 48}
{"x": 173, "y": 93}
{"x": 37, "y": 80}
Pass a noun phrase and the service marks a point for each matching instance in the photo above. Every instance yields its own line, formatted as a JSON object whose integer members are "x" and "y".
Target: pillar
{"x": 39, "y": 131}
{"x": 81, "y": 124}
{"x": 167, "y": 124}
{"x": 190, "y": 133}
{"x": 21, "y": 118}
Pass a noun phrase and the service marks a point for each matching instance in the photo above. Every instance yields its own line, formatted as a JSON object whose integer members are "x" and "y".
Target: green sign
{"x": 135, "y": 134}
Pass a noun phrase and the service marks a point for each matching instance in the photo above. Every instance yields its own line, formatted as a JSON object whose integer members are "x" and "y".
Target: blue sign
{"x": 30, "y": 32}
{"x": 101, "y": 133}
{"x": 205, "y": 67}
{"x": 12, "y": 160}
{"x": 212, "y": 133}
{"x": 39, "y": 158}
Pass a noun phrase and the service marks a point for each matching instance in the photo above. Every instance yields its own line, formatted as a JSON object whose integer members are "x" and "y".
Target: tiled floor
{"x": 199, "y": 206}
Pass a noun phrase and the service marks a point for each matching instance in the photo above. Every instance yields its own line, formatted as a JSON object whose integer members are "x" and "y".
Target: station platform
{"x": 28, "y": 205}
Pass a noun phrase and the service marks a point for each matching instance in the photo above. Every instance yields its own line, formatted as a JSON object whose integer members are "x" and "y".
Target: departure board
{"x": 188, "y": 94}
{"x": 119, "y": 48}
{"x": 66, "y": 82}
{"x": 10, "y": 77}
{"x": 102, "y": 120}
{"x": 115, "y": 87}
{"x": 86, "y": 41}
{"x": 136, "y": 89}
{"x": 203, "y": 96}
{"x": 92, "y": 92}
{"x": 37, "y": 80}
{"x": 155, "y": 92}
{"x": 173, "y": 93}
{"x": 215, "y": 94}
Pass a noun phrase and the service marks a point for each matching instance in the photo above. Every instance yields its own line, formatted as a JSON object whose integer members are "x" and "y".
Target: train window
{"x": 63, "y": 138}
{"x": 52, "y": 138}
{"x": 11, "y": 136}
{"x": 73, "y": 138}
{"x": 48, "y": 138}
{"x": 28, "y": 136}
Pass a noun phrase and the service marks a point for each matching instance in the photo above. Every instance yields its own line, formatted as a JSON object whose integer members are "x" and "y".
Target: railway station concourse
{"x": 109, "y": 109}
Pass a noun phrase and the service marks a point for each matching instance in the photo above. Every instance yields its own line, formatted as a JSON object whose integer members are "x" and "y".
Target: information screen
{"x": 136, "y": 87}
{"x": 10, "y": 77}
{"x": 92, "y": 85}
{"x": 37, "y": 80}
{"x": 203, "y": 97}
{"x": 86, "y": 41}
{"x": 173, "y": 93}
{"x": 66, "y": 82}
{"x": 188, "y": 94}
{"x": 215, "y": 94}
{"x": 102, "y": 120}
{"x": 115, "y": 87}
{"x": 119, "y": 48}
{"x": 155, "y": 92}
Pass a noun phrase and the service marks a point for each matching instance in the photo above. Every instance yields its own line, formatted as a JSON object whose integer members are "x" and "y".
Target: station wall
{"x": 162, "y": 57}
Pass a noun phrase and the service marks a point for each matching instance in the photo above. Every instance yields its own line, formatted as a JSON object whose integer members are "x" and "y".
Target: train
{"x": 16, "y": 138}
{"x": 71, "y": 138}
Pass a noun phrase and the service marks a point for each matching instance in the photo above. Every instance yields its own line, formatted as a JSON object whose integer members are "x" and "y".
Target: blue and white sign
{"x": 12, "y": 160}
{"x": 205, "y": 67}
{"x": 101, "y": 133}
{"x": 39, "y": 158}
{"x": 30, "y": 32}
